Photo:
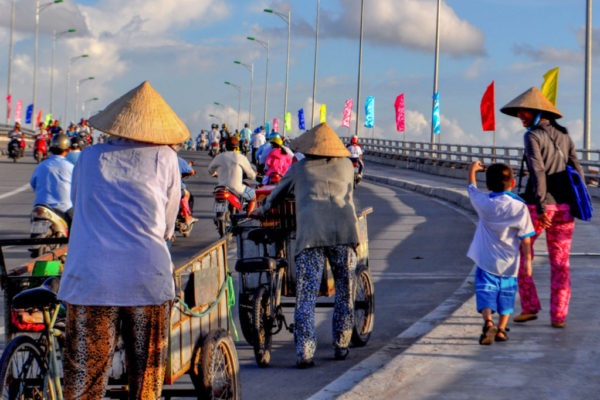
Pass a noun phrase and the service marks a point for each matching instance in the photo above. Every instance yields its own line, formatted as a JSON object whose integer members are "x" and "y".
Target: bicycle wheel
{"x": 364, "y": 307}
{"x": 263, "y": 324}
{"x": 22, "y": 370}
{"x": 246, "y": 312}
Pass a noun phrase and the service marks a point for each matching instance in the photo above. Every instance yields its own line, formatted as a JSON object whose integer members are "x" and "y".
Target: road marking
{"x": 13, "y": 192}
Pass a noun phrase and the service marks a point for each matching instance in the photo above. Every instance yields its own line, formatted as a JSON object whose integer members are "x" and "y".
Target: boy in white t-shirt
{"x": 504, "y": 224}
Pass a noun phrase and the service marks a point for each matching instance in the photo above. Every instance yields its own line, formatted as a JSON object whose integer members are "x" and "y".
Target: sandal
{"x": 487, "y": 333}
{"x": 501, "y": 335}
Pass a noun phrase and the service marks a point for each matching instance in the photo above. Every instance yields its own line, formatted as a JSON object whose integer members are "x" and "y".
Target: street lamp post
{"x": 435, "y": 68}
{"x": 38, "y": 9}
{"x": 288, "y": 19}
{"x": 79, "y": 82}
{"x": 71, "y": 61}
{"x": 265, "y": 44}
{"x": 587, "y": 124}
{"x": 87, "y": 101}
{"x": 362, "y": 13}
{"x": 239, "y": 89}
{"x": 10, "y": 57}
{"x": 54, "y": 37}
{"x": 312, "y": 116}
{"x": 249, "y": 67}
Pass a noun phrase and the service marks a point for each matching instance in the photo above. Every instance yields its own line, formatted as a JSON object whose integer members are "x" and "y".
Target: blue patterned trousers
{"x": 309, "y": 271}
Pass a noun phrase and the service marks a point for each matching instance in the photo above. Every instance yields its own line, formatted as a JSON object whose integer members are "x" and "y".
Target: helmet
{"x": 277, "y": 140}
{"x": 60, "y": 143}
{"x": 77, "y": 143}
{"x": 354, "y": 140}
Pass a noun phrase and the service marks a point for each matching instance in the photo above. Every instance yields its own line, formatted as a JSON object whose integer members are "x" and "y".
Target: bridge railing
{"x": 5, "y": 129}
{"x": 462, "y": 155}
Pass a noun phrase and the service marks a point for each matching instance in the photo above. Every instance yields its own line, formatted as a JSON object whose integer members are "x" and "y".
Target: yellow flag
{"x": 550, "y": 85}
{"x": 323, "y": 113}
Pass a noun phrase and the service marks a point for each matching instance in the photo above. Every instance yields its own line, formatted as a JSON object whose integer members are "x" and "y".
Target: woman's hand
{"x": 544, "y": 220}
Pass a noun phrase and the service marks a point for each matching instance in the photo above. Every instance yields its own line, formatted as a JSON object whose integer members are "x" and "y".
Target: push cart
{"x": 265, "y": 250}
{"x": 199, "y": 339}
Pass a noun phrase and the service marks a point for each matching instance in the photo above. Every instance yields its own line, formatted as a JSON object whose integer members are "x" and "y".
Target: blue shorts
{"x": 495, "y": 292}
{"x": 249, "y": 193}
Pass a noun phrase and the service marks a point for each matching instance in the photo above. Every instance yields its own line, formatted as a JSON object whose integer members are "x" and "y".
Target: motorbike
{"x": 214, "y": 149}
{"x": 14, "y": 149}
{"x": 226, "y": 204}
{"x": 357, "y": 171}
{"x": 40, "y": 150}
{"x": 46, "y": 223}
{"x": 244, "y": 147}
{"x": 180, "y": 225}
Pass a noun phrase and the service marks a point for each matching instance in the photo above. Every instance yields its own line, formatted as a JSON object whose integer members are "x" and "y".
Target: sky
{"x": 186, "y": 49}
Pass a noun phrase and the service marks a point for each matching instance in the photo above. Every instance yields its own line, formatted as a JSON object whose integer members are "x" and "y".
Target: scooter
{"x": 226, "y": 204}
{"x": 358, "y": 171}
{"x": 214, "y": 149}
{"x": 244, "y": 147}
{"x": 180, "y": 225}
{"x": 40, "y": 150}
{"x": 14, "y": 149}
{"x": 46, "y": 223}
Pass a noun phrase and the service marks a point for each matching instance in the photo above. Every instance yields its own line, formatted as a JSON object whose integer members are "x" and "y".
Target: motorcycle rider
{"x": 257, "y": 140}
{"x": 51, "y": 180}
{"x": 214, "y": 136}
{"x": 201, "y": 140}
{"x": 186, "y": 170}
{"x": 245, "y": 136}
{"x": 231, "y": 167}
{"x": 356, "y": 153}
{"x": 77, "y": 144}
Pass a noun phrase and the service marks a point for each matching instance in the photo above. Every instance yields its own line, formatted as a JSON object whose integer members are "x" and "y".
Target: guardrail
{"x": 5, "y": 129}
{"x": 462, "y": 155}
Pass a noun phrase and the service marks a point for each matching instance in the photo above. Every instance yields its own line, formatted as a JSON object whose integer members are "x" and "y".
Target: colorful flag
{"x": 436, "y": 113}
{"x": 39, "y": 117}
{"x": 323, "y": 113}
{"x": 550, "y": 85}
{"x": 347, "y": 116}
{"x": 276, "y": 124}
{"x": 488, "y": 115}
{"x": 48, "y": 119}
{"x": 18, "y": 110}
{"x": 288, "y": 122}
{"x": 8, "y": 100}
{"x": 267, "y": 130}
{"x": 399, "y": 105}
{"x": 29, "y": 114}
{"x": 301, "y": 124}
{"x": 370, "y": 112}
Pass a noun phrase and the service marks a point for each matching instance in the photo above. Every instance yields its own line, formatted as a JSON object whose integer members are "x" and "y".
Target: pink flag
{"x": 276, "y": 124}
{"x": 399, "y": 104}
{"x": 347, "y": 113}
{"x": 18, "y": 110}
{"x": 8, "y": 99}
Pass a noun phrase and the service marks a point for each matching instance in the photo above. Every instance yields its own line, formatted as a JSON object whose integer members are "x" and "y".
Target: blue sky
{"x": 186, "y": 49}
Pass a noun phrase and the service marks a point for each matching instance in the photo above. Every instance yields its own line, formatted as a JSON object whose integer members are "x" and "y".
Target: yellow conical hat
{"x": 142, "y": 115}
{"x": 320, "y": 141}
{"x": 532, "y": 99}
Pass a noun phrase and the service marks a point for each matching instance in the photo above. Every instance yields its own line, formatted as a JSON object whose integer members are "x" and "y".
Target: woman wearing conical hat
{"x": 118, "y": 274}
{"x": 327, "y": 228}
{"x": 548, "y": 150}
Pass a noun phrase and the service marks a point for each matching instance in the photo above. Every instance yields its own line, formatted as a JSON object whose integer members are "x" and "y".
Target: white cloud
{"x": 473, "y": 71}
{"x": 549, "y": 54}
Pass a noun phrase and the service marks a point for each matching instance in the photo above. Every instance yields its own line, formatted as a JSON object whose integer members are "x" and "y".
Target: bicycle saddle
{"x": 38, "y": 297}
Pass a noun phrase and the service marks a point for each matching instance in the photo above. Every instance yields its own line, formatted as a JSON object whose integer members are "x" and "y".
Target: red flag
{"x": 39, "y": 118}
{"x": 488, "y": 116}
{"x": 8, "y": 100}
{"x": 399, "y": 104}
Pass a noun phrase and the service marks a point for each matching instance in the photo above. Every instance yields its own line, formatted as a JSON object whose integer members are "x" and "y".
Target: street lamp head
{"x": 217, "y": 103}
{"x": 72, "y": 30}
{"x": 227, "y": 83}
{"x": 95, "y": 99}
{"x": 58, "y": 1}
{"x": 84, "y": 56}
{"x": 250, "y": 38}
{"x": 237, "y": 62}
{"x": 91, "y": 78}
{"x": 268, "y": 10}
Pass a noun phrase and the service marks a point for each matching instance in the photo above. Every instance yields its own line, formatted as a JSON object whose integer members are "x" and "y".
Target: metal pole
{"x": 435, "y": 72}
{"x": 587, "y": 125}
{"x": 239, "y": 107}
{"x": 362, "y": 12}
{"x": 67, "y": 92}
{"x": 287, "y": 69}
{"x": 35, "y": 60}
{"x": 266, "y": 85}
{"x": 312, "y": 116}
{"x": 251, "y": 94}
{"x": 76, "y": 98}
{"x": 52, "y": 73}
{"x": 10, "y": 55}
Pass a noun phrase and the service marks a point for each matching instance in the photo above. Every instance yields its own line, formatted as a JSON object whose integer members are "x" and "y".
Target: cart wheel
{"x": 22, "y": 370}
{"x": 364, "y": 307}
{"x": 215, "y": 367}
{"x": 246, "y": 312}
{"x": 263, "y": 323}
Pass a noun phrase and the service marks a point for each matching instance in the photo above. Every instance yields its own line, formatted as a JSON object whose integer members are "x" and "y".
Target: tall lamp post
{"x": 85, "y": 102}
{"x": 239, "y": 89}
{"x": 67, "y": 82}
{"x": 435, "y": 68}
{"x": 362, "y": 13}
{"x": 288, "y": 20}
{"x": 587, "y": 124}
{"x": 10, "y": 58}
{"x": 266, "y": 46}
{"x": 38, "y": 9}
{"x": 312, "y": 116}
{"x": 54, "y": 37}
{"x": 249, "y": 67}
{"x": 79, "y": 82}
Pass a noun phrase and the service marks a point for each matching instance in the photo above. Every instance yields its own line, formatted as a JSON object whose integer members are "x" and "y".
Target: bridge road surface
{"x": 417, "y": 260}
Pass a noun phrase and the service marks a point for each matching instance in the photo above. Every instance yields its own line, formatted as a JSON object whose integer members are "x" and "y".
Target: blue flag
{"x": 436, "y": 113}
{"x": 28, "y": 114}
{"x": 301, "y": 125}
{"x": 370, "y": 112}
{"x": 267, "y": 129}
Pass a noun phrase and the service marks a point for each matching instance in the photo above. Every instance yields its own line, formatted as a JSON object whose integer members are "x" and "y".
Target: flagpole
{"x": 312, "y": 115}
{"x": 362, "y": 12}
{"x": 587, "y": 125}
{"x": 435, "y": 70}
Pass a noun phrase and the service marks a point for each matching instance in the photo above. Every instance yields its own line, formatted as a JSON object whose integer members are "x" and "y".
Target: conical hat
{"x": 532, "y": 99}
{"x": 142, "y": 115}
{"x": 320, "y": 141}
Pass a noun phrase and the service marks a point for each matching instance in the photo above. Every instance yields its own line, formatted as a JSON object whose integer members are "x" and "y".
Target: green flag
{"x": 288, "y": 122}
{"x": 48, "y": 119}
{"x": 550, "y": 85}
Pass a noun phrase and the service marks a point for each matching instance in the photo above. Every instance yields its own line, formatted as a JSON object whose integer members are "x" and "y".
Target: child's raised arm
{"x": 526, "y": 247}
{"x": 475, "y": 167}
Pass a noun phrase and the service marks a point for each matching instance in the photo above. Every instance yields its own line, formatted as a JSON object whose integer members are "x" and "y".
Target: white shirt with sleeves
{"x": 355, "y": 151}
{"x": 231, "y": 167}
{"x": 504, "y": 221}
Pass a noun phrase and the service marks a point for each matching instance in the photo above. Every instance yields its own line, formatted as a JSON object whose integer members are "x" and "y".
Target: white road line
{"x": 13, "y": 192}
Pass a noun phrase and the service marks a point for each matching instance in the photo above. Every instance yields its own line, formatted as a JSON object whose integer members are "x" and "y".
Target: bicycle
{"x": 29, "y": 367}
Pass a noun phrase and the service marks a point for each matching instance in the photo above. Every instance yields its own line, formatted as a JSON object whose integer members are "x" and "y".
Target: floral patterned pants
{"x": 309, "y": 271}
{"x": 558, "y": 238}
{"x": 91, "y": 338}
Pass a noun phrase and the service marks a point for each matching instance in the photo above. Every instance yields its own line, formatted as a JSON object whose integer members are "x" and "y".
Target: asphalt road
{"x": 417, "y": 260}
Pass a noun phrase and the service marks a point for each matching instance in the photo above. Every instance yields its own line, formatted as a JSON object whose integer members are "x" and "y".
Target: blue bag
{"x": 580, "y": 204}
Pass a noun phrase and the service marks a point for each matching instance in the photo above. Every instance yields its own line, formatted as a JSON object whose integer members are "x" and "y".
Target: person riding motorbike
{"x": 278, "y": 162}
{"x": 16, "y": 145}
{"x": 356, "y": 154}
{"x": 186, "y": 170}
{"x": 214, "y": 137}
{"x": 230, "y": 168}
{"x": 77, "y": 144}
{"x": 245, "y": 136}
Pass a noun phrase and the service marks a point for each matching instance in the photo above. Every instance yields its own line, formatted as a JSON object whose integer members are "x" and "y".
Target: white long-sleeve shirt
{"x": 231, "y": 167}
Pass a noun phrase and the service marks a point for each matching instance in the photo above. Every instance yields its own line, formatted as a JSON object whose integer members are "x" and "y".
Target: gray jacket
{"x": 546, "y": 164}
{"x": 325, "y": 213}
